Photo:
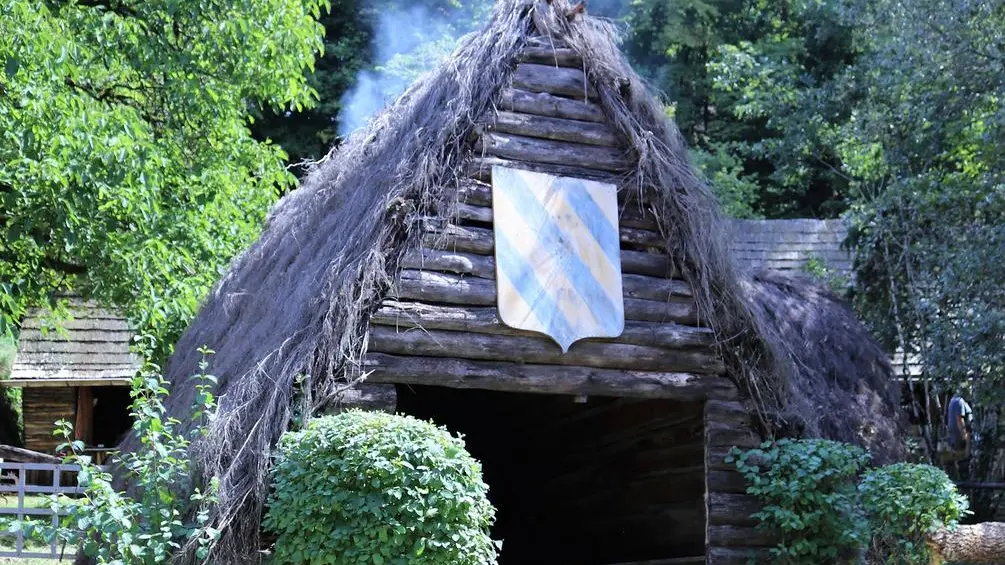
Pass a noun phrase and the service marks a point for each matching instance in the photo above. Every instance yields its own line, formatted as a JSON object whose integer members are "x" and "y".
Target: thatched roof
{"x": 288, "y": 321}
{"x": 91, "y": 348}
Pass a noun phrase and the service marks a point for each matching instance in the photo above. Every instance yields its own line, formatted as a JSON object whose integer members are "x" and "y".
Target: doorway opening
{"x": 590, "y": 481}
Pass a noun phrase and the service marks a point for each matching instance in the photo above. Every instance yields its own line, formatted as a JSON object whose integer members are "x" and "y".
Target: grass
{"x": 7, "y": 543}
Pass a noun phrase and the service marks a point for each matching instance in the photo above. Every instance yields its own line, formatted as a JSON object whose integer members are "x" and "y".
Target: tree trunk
{"x": 979, "y": 543}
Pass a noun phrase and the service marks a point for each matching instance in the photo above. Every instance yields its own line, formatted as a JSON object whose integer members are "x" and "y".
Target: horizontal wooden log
{"x": 737, "y": 555}
{"x": 19, "y": 455}
{"x": 535, "y": 378}
{"x": 481, "y": 241}
{"x": 560, "y": 81}
{"x": 726, "y": 481}
{"x": 550, "y": 152}
{"x": 715, "y": 458}
{"x": 369, "y": 396}
{"x": 479, "y": 193}
{"x": 740, "y": 536}
{"x": 541, "y": 350}
{"x": 725, "y": 434}
{"x": 544, "y": 104}
{"x": 972, "y": 543}
{"x": 486, "y": 320}
{"x": 732, "y": 509}
{"x": 480, "y": 168}
{"x": 627, "y": 234}
{"x": 429, "y": 286}
{"x": 484, "y": 266}
{"x": 727, "y": 412}
{"x": 558, "y": 129}
{"x": 548, "y": 55}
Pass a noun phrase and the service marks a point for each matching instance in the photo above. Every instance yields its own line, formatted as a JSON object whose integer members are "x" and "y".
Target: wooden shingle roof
{"x": 787, "y": 245}
{"x": 92, "y": 348}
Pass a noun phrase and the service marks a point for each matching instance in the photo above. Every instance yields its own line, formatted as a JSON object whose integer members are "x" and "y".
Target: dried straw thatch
{"x": 288, "y": 320}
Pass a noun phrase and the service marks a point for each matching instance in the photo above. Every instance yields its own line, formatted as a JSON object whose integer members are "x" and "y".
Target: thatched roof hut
{"x": 384, "y": 266}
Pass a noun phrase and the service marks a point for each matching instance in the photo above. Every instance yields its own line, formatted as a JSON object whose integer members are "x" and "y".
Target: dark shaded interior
{"x": 605, "y": 481}
{"x": 111, "y": 415}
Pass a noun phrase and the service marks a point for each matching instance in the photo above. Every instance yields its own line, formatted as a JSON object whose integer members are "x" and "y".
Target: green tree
{"x": 129, "y": 172}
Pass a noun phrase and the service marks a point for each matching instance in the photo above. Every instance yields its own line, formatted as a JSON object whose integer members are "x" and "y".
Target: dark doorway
{"x": 111, "y": 415}
{"x": 587, "y": 483}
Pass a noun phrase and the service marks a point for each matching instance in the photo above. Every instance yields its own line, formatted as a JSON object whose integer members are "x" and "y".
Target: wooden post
{"x": 83, "y": 425}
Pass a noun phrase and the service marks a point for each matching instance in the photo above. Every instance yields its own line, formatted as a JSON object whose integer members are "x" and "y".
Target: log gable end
{"x": 439, "y": 324}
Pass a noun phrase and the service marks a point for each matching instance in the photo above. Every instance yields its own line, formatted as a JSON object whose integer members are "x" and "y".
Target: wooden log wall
{"x": 439, "y": 325}
{"x": 731, "y": 535}
{"x": 42, "y": 407}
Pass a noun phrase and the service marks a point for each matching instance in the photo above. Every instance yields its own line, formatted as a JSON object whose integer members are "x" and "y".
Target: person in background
{"x": 959, "y": 416}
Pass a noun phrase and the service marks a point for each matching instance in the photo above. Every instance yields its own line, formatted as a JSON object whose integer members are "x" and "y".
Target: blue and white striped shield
{"x": 558, "y": 257}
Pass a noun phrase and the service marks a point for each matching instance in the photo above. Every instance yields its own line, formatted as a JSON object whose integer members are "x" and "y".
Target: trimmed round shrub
{"x": 904, "y": 502}
{"x": 368, "y": 487}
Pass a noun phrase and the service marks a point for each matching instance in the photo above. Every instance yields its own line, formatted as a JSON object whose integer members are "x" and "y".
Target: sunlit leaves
{"x": 129, "y": 172}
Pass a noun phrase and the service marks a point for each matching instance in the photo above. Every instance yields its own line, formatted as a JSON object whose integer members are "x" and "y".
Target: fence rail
{"x": 14, "y": 479}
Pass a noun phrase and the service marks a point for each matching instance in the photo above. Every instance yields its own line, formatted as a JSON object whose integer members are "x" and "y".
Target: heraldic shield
{"x": 558, "y": 255}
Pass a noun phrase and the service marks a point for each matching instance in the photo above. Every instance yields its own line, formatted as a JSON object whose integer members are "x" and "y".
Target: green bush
{"x": 903, "y": 503}
{"x": 809, "y": 496}
{"x": 362, "y": 487}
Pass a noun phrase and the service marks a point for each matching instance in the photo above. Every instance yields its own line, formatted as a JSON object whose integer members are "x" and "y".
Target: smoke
{"x": 409, "y": 42}
{"x": 406, "y": 44}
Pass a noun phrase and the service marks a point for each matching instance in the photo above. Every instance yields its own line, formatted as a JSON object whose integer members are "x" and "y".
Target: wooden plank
{"x": 83, "y": 427}
{"x": 526, "y": 349}
{"x": 561, "y": 81}
{"x": 727, "y": 412}
{"x": 558, "y": 129}
{"x": 429, "y": 286}
{"x": 549, "y": 152}
{"x": 732, "y": 509}
{"x": 536, "y": 378}
{"x": 486, "y": 320}
{"x": 544, "y": 104}
{"x": 550, "y": 55}
{"x": 481, "y": 241}
{"x": 740, "y": 536}
{"x": 715, "y": 458}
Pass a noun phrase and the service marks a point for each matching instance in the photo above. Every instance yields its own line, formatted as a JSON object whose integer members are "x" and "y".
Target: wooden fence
{"x": 14, "y": 481}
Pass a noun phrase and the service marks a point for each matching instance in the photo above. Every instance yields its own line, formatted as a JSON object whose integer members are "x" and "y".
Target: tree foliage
{"x": 129, "y": 172}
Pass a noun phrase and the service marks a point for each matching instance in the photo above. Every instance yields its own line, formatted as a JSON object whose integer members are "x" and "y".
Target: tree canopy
{"x": 129, "y": 170}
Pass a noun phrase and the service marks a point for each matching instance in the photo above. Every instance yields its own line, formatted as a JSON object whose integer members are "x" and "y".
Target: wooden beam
{"x": 561, "y": 81}
{"x": 549, "y": 152}
{"x": 63, "y": 383}
{"x": 406, "y": 315}
{"x": 558, "y": 129}
{"x": 541, "y": 350}
{"x": 544, "y": 104}
{"x": 430, "y": 286}
{"x": 83, "y": 426}
{"x": 726, "y": 481}
{"x": 535, "y": 378}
